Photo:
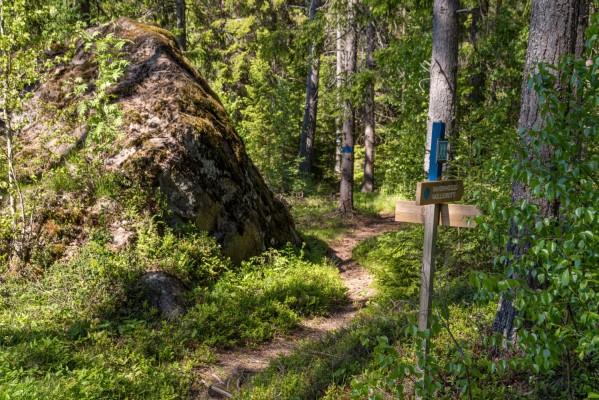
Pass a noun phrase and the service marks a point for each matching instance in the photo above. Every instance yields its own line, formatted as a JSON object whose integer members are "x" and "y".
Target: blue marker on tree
{"x": 438, "y": 153}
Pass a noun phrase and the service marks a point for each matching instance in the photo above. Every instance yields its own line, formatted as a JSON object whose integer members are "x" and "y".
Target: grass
{"x": 323, "y": 366}
{"x": 352, "y": 358}
{"x": 375, "y": 203}
{"x": 317, "y": 217}
{"x": 79, "y": 331}
{"x": 319, "y": 221}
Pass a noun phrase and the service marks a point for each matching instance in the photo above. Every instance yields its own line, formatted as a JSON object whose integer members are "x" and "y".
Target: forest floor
{"x": 235, "y": 366}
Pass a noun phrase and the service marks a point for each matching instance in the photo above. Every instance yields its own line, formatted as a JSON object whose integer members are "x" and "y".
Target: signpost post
{"x": 429, "y": 210}
{"x": 431, "y": 221}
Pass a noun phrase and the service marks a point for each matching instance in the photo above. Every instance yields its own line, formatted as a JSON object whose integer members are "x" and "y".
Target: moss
{"x": 239, "y": 247}
{"x": 206, "y": 218}
{"x": 132, "y": 117}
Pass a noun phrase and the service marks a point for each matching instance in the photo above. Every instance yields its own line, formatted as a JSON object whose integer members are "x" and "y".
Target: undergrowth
{"x": 80, "y": 331}
{"x": 376, "y": 356}
{"x": 324, "y": 366}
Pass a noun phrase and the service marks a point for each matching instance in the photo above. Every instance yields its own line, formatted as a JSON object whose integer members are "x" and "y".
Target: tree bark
{"x": 443, "y": 73}
{"x": 339, "y": 86}
{"x": 583, "y": 22}
{"x": 368, "y": 181}
{"x": 85, "y": 11}
{"x": 181, "y": 24}
{"x": 553, "y": 31}
{"x": 306, "y": 150}
{"x": 346, "y": 195}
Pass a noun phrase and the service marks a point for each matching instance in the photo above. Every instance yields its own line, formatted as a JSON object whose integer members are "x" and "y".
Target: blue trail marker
{"x": 436, "y": 163}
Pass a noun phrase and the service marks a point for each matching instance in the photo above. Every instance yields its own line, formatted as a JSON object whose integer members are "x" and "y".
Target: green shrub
{"x": 322, "y": 367}
{"x": 190, "y": 255}
{"x": 395, "y": 259}
{"x": 266, "y": 296}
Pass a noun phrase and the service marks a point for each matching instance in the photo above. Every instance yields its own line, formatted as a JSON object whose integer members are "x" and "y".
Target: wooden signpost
{"x": 428, "y": 209}
{"x": 439, "y": 192}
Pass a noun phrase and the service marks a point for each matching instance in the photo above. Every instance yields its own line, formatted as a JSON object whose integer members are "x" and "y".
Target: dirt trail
{"x": 235, "y": 366}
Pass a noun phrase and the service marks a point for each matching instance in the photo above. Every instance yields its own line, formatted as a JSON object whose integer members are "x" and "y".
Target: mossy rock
{"x": 176, "y": 135}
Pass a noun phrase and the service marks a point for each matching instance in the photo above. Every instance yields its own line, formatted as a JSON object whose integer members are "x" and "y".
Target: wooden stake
{"x": 431, "y": 220}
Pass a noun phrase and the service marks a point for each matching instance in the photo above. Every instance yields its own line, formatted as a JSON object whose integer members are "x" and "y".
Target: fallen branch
{"x": 218, "y": 390}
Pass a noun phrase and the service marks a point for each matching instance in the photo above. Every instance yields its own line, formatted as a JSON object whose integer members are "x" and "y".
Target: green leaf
{"x": 565, "y": 278}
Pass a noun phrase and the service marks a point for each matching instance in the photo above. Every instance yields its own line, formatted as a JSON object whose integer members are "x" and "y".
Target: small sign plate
{"x": 435, "y": 192}
{"x": 442, "y": 150}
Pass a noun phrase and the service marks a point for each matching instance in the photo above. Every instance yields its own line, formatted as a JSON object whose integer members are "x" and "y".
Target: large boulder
{"x": 177, "y": 136}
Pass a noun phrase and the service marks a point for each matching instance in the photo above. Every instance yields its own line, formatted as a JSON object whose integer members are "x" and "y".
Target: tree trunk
{"x": 368, "y": 181}
{"x": 553, "y": 26}
{"x": 181, "y": 24}
{"x": 583, "y": 22}
{"x": 443, "y": 72}
{"x": 339, "y": 85}
{"x": 346, "y": 195}
{"x": 84, "y": 10}
{"x": 309, "y": 122}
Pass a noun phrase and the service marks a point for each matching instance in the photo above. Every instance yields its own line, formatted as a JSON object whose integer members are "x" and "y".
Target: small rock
{"x": 121, "y": 238}
{"x": 164, "y": 292}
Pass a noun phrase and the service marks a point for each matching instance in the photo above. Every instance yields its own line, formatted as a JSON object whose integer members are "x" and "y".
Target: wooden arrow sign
{"x": 457, "y": 215}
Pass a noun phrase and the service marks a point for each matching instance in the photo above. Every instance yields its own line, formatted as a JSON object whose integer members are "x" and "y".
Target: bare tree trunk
{"x": 553, "y": 30}
{"x": 5, "y": 125}
{"x": 339, "y": 85}
{"x": 583, "y": 22}
{"x": 443, "y": 72}
{"x": 346, "y": 192}
{"x": 309, "y": 122}
{"x": 181, "y": 24}
{"x": 84, "y": 10}
{"x": 368, "y": 181}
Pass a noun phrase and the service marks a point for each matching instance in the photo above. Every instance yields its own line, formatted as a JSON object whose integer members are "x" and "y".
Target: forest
{"x": 201, "y": 199}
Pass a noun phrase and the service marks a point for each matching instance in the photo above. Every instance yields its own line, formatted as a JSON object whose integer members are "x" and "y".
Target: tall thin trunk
{"x": 346, "y": 195}
{"x": 6, "y": 128}
{"x": 309, "y": 122}
{"x": 368, "y": 181}
{"x": 553, "y": 27}
{"x": 339, "y": 85}
{"x": 181, "y": 24}
{"x": 84, "y": 10}
{"x": 443, "y": 72}
{"x": 583, "y": 22}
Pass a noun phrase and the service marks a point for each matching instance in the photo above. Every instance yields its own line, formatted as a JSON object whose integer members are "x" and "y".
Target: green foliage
{"x": 191, "y": 256}
{"x": 455, "y": 365}
{"x": 557, "y": 317}
{"x": 320, "y": 369}
{"x": 267, "y": 296}
{"x": 404, "y": 72}
{"x": 101, "y": 114}
{"x": 395, "y": 259}
{"x": 79, "y": 329}
{"x": 27, "y": 31}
